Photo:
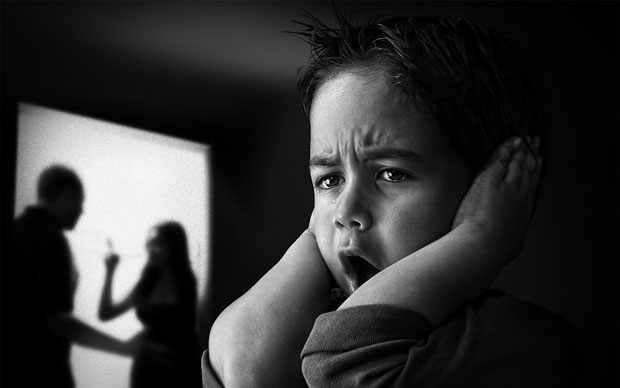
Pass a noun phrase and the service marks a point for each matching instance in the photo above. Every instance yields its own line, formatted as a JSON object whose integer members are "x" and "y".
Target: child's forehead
{"x": 355, "y": 81}
{"x": 369, "y": 113}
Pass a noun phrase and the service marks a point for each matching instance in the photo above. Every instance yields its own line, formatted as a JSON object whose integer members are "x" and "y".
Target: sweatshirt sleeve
{"x": 495, "y": 341}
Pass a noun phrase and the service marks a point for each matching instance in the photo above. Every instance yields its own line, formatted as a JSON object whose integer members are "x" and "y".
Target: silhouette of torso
{"x": 43, "y": 283}
{"x": 168, "y": 321}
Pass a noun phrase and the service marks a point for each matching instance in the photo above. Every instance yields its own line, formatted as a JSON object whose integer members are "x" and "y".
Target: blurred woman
{"x": 165, "y": 302}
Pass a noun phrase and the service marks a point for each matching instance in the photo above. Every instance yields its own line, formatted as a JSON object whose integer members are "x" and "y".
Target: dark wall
{"x": 240, "y": 98}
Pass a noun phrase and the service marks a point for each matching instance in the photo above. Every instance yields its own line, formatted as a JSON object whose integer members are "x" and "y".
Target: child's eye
{"x": 392, "y": 175}
{"x": 328, "y": 182}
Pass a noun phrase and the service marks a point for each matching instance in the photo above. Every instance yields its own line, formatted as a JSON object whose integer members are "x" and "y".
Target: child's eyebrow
{"x": 375, "y": 153}
{"x": 392, "y": 153}
{"x": 324, "y": 161}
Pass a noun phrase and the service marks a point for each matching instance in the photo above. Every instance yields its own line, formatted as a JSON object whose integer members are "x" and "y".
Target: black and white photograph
{"x": 309, "y": 194}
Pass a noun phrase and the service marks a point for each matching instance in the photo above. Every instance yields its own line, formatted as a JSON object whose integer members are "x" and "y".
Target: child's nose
{"x": 352, "y": 210}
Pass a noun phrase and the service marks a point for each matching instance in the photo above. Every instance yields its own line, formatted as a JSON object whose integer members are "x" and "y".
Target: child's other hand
{"x": 498, "y": 206}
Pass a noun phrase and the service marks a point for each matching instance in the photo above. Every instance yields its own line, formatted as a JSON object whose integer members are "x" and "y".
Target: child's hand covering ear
{"x": 499, "y": 203}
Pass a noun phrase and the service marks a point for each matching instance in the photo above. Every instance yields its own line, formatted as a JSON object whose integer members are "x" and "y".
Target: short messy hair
{"x": 55, "y": 180}
{"x": 478, "y": 85}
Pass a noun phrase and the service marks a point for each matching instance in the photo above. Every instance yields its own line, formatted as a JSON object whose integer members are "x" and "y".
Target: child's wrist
{"x": 484, "y": 242}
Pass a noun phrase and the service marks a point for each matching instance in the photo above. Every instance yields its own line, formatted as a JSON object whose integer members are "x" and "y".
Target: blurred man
{"x": 43, "y": 284}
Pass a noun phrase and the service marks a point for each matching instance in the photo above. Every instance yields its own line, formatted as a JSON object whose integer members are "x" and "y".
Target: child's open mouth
{"x": 357, "y": 270}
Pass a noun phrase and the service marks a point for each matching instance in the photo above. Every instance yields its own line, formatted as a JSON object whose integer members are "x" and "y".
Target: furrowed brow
{"x": 392, "y": 153}
{"x": 375, "y": 153}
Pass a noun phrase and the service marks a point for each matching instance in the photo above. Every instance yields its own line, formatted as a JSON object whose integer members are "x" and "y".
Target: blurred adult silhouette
{"x": 43, "y": 284}
{"x": 165, "y": 301}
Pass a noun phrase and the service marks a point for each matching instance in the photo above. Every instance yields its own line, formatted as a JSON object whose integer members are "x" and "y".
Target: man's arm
{"x": 73, "y": 329}
{"x": 256, "y": 341}
{"x": 488, "y": 231}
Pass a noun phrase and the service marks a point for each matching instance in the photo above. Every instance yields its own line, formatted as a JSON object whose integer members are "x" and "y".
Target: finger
{"x": 516, "y": 165}
{"x": 533, "y": 144}
{"x": 505, "y": 150}
{"x": 528, "y": 144}
{"x": 497, "y": 167}
{"x": 528, "y": 182}
{"x": 532, "y": 195}
{"x": 535, "y": 178}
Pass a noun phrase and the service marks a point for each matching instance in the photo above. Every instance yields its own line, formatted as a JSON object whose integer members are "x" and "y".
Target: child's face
{"x": 385, "y": 186}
